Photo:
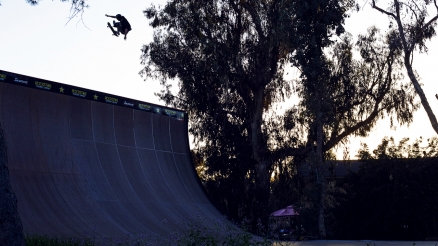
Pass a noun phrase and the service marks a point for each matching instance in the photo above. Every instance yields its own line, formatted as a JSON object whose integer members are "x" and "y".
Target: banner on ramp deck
{"x": 69, "y": 90}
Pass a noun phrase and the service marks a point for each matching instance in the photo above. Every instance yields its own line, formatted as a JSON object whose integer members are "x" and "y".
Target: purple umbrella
{"x": 288, "y": 211}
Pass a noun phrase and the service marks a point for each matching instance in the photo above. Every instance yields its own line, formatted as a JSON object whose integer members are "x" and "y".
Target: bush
{"x": 195, "y": 234}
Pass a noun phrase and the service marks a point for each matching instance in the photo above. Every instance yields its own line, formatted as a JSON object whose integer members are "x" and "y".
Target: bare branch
{"x": 429, "y": 23}
{"x": 413, "y": 10}
{"x": 381, "y": 10}
{"x": 416, "y": 5}
{"x": 77, "y": 7}
{"x": 256, "y": 19}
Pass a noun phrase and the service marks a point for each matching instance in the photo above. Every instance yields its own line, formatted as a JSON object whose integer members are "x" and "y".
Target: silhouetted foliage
{"x": 77, "y": 6}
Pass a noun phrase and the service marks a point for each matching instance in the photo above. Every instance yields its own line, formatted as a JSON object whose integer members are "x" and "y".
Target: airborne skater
{"x": 122, "y": 26}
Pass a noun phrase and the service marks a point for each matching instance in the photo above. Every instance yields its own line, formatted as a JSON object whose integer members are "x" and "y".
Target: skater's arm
{"x": 110, "y": 16}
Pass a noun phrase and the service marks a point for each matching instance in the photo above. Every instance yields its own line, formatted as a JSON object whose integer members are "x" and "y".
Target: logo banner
{"x": 69, "y": 90}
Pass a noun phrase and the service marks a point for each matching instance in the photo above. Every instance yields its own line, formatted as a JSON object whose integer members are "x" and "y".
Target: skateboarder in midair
{"x": 123, "y": 25}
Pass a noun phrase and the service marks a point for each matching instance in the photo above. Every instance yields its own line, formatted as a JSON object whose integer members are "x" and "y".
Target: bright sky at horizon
{"x": 36, "y": 41}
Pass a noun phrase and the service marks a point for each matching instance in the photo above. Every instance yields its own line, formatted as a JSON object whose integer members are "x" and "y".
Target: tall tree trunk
{"x": 320, "y": 170}
{"x": 408, "y": 48}
{"x": 263, "y": 192}
{"x": 262, "y": 166}
{"x": 11, "y": 229}
{"x": 420, "y": 93}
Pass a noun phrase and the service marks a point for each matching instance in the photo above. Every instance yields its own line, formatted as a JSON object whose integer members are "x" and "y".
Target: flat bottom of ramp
{"x": 355, "y": 243}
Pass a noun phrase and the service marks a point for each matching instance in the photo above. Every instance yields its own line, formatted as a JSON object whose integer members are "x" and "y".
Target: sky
{"x": 37, "y": 41}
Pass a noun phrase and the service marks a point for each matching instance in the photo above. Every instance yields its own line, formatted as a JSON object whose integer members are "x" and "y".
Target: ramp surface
{"x": 85, "y": 163}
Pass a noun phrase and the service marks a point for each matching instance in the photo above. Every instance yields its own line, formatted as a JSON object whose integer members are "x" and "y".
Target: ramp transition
{"x": 86, "y": 163}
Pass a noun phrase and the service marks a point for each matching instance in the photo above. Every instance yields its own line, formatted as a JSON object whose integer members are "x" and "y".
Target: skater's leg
{"x": 118, "y": 26}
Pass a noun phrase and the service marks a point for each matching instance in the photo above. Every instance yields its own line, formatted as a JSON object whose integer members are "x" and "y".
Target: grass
{"x": 38, "y": 240}
{"x": 193, "y": 235}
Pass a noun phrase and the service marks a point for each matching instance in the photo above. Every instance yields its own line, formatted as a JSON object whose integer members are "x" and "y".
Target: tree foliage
{"x": 368, "y": 88}
{"x": 77, "y": 6}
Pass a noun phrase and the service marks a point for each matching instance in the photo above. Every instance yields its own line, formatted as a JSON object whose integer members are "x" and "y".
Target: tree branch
{"x": 429, "y": 23}
{"x": 381, "y": 10}
{"x": 289, "y": 151}
{"x": 255, "y": 18}
{"x": 77, "y": 6}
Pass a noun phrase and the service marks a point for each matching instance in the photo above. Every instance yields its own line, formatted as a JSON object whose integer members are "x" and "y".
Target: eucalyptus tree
{"x": 356, "y": 92}
{"x": 318, "y": 21}
{"x": 413, "y": 29}
{"x": 228, "y": 57}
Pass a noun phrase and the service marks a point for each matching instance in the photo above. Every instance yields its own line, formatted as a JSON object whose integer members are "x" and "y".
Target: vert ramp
{"x": 85, "y": 163}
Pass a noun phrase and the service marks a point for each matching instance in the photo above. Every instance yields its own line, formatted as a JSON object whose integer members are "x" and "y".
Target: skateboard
{"x": 112, "y": 29}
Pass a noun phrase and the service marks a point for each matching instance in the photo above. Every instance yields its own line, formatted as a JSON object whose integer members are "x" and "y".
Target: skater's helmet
{"x": 118, "y": 16}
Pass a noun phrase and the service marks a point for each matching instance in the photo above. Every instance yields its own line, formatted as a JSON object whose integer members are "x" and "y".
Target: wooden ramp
{"x": 85, "y": 163}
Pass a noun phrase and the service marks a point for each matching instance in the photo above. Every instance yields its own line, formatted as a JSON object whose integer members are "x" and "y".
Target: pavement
{"x": 356, "y": 243}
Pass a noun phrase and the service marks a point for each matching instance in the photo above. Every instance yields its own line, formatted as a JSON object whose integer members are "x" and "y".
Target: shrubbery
{"x": 194, "y": 234}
